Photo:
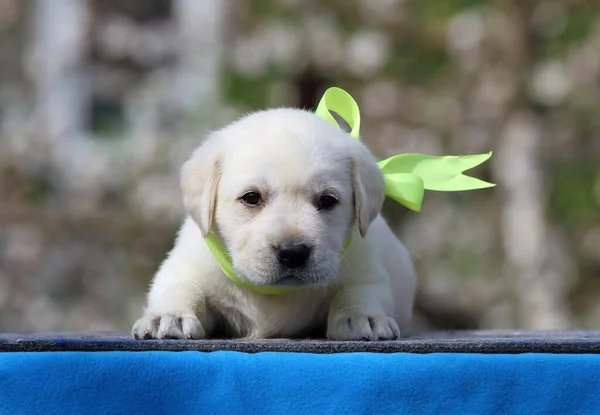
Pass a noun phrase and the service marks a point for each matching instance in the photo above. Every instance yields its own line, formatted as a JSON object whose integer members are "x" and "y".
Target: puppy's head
{"x": 283, "y": 189}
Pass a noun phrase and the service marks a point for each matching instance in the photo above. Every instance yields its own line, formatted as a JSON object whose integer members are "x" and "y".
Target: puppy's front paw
{"x": 178, "y": 325}
{"x": 359, "y": 327}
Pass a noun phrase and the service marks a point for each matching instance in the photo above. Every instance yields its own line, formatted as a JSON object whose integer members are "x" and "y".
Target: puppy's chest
{"x": 259, "y": 316}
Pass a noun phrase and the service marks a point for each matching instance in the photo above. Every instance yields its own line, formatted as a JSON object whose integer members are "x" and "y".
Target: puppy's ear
{"x": 199, "y": 183}
{"x": 369, "y": 188}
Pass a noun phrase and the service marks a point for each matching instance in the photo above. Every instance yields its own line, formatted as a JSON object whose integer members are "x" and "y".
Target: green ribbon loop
{"x": 339, "y": 101}
{"x": 407, "y": 176}
{"x": 405, "y": 188}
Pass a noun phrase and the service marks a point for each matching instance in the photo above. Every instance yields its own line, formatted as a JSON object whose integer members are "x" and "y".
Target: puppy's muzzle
{"x": 293, "y": 255}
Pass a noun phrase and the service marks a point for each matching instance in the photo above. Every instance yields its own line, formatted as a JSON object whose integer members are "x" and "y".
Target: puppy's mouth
{"x": 307, "y": 276}
{"x": 286, "y": 280}
{"x": 289, "y": 280}
{"x": 300, "y": 279}
{"x": 276, "y": 279}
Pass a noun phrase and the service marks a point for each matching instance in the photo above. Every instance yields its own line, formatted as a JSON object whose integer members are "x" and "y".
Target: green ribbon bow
{"x": 407, "y": 176}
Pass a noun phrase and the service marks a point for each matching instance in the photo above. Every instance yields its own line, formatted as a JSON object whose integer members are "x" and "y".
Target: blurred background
{"x": 102, "y": 100}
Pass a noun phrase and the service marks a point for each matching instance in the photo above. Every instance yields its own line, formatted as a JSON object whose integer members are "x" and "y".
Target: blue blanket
{"x": 229, "y": 382}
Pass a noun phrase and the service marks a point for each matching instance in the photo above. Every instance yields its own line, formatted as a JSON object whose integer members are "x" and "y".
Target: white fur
{"x": 290, "y": 157}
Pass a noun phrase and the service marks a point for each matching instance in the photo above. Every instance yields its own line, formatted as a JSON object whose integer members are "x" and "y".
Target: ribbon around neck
{"x": 406, "y": 176}
{"x": 224, "y": 260}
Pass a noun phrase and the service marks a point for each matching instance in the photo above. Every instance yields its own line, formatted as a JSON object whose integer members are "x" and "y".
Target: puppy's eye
{"x": 326, "y": 202}
{"x": 251, "y": 198}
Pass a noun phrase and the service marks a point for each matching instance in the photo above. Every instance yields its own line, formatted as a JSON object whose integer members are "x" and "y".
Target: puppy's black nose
{"x": 293, "y": 255}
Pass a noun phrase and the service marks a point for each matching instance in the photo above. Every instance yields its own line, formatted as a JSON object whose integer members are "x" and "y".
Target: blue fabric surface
{"x": 296, "y": 383}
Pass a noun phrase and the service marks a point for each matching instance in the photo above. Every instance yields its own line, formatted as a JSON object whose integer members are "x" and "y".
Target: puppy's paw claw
{"x": 178, "y": 325}
{"x": 360, "y": 327}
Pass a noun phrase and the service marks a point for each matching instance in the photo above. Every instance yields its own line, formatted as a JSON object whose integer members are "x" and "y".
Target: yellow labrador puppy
{"x": 283, "y": 190}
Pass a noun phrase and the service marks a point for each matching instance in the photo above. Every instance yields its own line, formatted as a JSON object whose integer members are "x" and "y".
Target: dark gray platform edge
{"x": 498, "y": 342}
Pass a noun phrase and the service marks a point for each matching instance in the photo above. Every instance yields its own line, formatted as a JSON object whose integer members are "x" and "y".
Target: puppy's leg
{"x": 177, "y": 307}
{"x": 361, "y": 312}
